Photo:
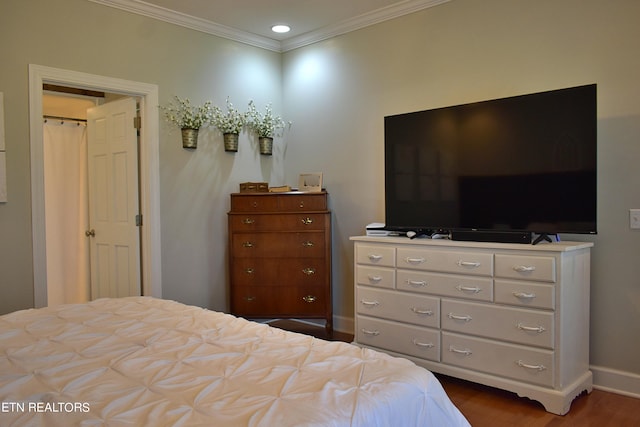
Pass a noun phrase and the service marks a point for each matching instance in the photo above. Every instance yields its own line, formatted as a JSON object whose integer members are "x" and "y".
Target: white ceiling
{"x": 250, "y": 21}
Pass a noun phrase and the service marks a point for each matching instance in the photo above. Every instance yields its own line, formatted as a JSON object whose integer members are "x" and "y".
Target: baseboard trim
{"x": 615, "y": 381}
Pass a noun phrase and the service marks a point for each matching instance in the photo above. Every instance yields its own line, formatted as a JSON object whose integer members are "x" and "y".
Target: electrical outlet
{"x": 634, "y": 219}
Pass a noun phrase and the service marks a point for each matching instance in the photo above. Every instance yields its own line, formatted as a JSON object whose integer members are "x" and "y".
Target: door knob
{"x": 90, "y": 233}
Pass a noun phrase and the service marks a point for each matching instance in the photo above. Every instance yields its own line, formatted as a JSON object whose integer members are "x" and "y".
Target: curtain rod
{"x": 64, "y": 118}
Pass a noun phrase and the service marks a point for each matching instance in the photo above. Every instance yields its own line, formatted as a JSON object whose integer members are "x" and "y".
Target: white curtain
{"x": 66, "y": 211}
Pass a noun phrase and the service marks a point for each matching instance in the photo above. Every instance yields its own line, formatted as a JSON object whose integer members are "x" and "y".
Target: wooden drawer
{"x": 278, "y": 222}
{"x": 406, "y": 339}
{"x": 279, "y": 272}
{"x": 470, "y": 287}
{"x": 524, "y": 294}
{"x": 376, "y": 276}
{"x": 417, "y": 309}
{"x": 270, "y": 301}
{"x": 474, "y": 263}
{"x": 531, "y": 327}
{"x": 532, "y": 365}
{"x": 527, "y": 267}
{"x": 384, "y": 256}
{"x": 278, "y": 245}
{"x": 269, "y": 202}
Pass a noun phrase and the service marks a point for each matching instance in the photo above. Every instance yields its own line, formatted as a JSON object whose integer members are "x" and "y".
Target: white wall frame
{"x": 149, "y": 170}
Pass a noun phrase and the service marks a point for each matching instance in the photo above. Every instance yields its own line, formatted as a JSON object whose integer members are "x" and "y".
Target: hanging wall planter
{"x": 189, "y": 138}
{"x": 266, "y": 145}
{"x": 230, "y": 142}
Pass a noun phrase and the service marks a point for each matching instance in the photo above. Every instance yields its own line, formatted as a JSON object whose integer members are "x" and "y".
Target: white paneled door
{"x": 113, "y": 200}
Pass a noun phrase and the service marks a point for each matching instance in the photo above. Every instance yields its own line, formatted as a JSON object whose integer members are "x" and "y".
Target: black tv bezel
{"x": 431, "y": 228}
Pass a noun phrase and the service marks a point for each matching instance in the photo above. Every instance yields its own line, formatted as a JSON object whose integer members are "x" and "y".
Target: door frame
{"x": 149, "y": 171}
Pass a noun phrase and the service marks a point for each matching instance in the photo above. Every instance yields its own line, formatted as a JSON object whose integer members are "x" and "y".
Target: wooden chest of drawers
{"x": 511, "y": 316}
{"x": 280, "y": 256}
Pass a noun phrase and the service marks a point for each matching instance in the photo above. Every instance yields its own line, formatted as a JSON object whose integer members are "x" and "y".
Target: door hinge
{"x": 137, "y": 122}
{"x": 139, "y": 220}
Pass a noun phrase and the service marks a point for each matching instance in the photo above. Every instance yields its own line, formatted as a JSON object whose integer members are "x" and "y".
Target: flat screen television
{"x": 524, "y": 165}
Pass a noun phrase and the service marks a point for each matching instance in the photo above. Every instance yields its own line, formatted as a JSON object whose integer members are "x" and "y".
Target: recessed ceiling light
{"x": 280, "y": 29}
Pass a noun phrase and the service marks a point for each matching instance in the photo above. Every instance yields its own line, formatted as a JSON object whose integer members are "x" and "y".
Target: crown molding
{"x": 358, "y": 22}
{"x": 163, "y": 14}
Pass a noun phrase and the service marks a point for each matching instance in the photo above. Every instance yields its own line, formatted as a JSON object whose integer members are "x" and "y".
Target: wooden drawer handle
{"x": 248, "y": 221}
{"x": 309, "y": 298}
{"x": 309, "y": 271}
{"x": 308, "y": 244}
{"x": 248, "y": 244}
{"x": 250, "y": 299}
{"x": 307, "y": 221}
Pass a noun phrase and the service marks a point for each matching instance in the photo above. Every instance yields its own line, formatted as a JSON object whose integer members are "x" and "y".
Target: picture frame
{"x": 310, "y": 182}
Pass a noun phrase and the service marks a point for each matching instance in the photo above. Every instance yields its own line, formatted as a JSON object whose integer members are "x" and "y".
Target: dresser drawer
{"x": 270, "y": 202}
{"x": 376, "y": 276}
{"x": 474, "y": 263}
{"x": 278, "y": 245}
{"x": 417, "y": 309}
{"x": 470, "y": 287}
{"x": 279, "y": 272}
{"x": 278, "y": 222}
{"x": 406, "y": 339}
{"x": 384, "y": 256}
{"x": 524, "y": 294}
{"x": 268, "y": 301}
{"x": 531, "y": 327}
{"x": 527, "y": 267}
{"x": 507, "y": 360}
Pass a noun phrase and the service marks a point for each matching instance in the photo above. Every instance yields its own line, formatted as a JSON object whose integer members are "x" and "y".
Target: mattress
{"x": 143, "y": 361}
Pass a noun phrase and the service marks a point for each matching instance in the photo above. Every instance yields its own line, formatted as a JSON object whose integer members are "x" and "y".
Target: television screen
{"x": 523, "y": 163}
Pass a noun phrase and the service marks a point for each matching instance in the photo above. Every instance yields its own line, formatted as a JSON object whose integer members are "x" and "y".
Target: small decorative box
{"x": 254, "y": 187}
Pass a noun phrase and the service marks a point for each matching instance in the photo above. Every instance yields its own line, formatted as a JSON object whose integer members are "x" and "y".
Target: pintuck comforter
{"x": 143, "y": 361}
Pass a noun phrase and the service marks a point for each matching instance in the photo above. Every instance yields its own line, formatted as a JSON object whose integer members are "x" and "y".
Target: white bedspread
{"x": 144, "y": 361}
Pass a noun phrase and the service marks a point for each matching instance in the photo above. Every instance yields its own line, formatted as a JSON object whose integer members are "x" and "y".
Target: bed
{"x": 146, "y": 361}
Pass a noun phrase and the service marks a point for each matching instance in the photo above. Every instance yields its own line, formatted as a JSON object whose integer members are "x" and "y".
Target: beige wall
{"x": 336, "y": 93}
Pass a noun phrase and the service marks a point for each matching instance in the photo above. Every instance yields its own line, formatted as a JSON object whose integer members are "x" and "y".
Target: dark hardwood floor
{"x": 490, "y": 407}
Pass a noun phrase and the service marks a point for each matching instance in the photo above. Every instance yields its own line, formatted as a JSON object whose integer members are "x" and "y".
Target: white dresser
{"x": 510, "y": 316}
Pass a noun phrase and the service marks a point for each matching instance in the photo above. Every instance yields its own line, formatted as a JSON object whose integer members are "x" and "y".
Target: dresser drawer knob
{"x": 250, "y": 299}
{"x": 465, "y": 318}
{"x": 414, "y": 261}
{"x": 538, "y": 329}
{"x": 469, "y": 289}
{"x": 301, "y": 205}
{"x": 422, "y": 311}
{"x": 309, "y": 298}
{"x": 249, "y": 270}
{"x": 465, "y": 352}
{"x": 524, "y": 268}
{"x": 247, "y": 244}
{"x": 308, "y": 244}
{"x": 417, "y": 283}
{"x": 374, "y": 279}
{"x": 307, "y": 221}
{"x": 471, "y": 264}
{"x": 369, "y": 303}
{"x": 523, "y": 295}
{"x": 422, "y": 344}
{"x": 309, "y": 271}
{"x": 527, "y": 366}
{"x": 370, "y": 332}
{"x": 248, "y": 221}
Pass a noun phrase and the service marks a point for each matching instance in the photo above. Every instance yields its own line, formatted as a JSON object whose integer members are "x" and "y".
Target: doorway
{"x": 149, "y": 170}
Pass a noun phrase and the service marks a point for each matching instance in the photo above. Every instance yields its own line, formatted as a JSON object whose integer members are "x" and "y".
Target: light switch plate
{"x": 634, "y": 219}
